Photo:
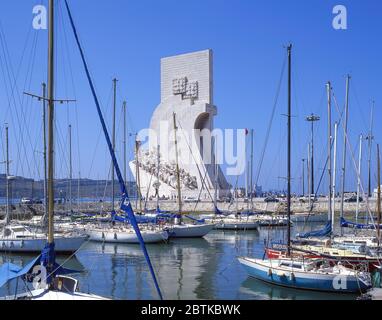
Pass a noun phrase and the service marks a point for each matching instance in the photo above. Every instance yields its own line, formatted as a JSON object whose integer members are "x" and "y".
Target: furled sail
{"x": 348, "y": 224}
{"x": 327, "y": 230}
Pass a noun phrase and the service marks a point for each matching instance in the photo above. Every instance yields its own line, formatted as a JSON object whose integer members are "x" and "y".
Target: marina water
{"x": 186, "y": 268}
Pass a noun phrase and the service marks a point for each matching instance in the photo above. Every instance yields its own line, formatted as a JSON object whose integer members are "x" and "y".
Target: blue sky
{"x": 126, "y": 39}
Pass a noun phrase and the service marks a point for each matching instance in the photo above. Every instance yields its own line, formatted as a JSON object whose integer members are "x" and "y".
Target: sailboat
{"x": 53, "y": 284}
{"x": 180, "y": 229}
{"x": 237, "y": 221}
{"x": 303, "y": 273}
{"x": 120, "y": 230}
{"x": 354, "y": 251}
{"x": 16, "y": 237}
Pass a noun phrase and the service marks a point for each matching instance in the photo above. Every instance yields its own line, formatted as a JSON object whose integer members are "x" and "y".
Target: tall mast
{"x": 44, "y": 153}
{"x": 216, "y": 175}
{"x": 370, "y": 143}
{"x": 113, "y": 143}
{"x": 158, "y": 170}
{"x": 334, "y": 174}
{"x": 251, "y": 178}
{"x": 303, "y": 177}
{"x": 7, "y": 177}
{"x": 246, "y": 165}
{"x": 345, "y": 148}
{"x": 177, "y": 166}
{"x": 124, "y": 141}
{"x": 308, "y": 174}
{"x": 78, "y": 191}
{"x": 289, "y": 140}
{"x": 379, "y": 196}
{"x": 70, "y": 169}
{"x": 359, "y": 176}
{"x": 51, "y": 123}
{"x": 328, "y": 87}
{"x": 138, "y": 179}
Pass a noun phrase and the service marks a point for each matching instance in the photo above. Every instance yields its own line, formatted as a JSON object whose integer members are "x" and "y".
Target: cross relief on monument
{"x": 188, "y": 90}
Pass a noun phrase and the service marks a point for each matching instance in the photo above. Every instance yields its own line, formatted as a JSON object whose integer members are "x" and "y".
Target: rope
{"x": 270, "y": 122}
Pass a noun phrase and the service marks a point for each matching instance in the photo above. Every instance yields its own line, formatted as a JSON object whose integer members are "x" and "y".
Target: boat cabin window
{"x": 65, "y": 284}
{"x": 19, "y": 229}
{"x": 291, "y": 265}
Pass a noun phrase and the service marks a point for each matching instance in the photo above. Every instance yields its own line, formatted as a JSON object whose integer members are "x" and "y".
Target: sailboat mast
{"x": 251, "y": 178}
{"x": 138, "y": 180}
{"x": 289, "y": 142}
{"x": 7, "y": 173}
{"x": 379, "y": 197}
{"x": 329, "y": 89}
{"x": 51, "y": 123}
{"x": 308, "y": 174}
{"x": 44, "y": 153}
{"x": 158, "y": 168}
{"x": 246, "y": 165}
{"x": 124, "y": 141}
{"x": 113, "y": 143}
{"x": 370, "y": 143}
{"x": 345, "y": 148}
{"x": 215, "y": 175}
{"x": 334, "y": 174}
{"x": 359, "y": 176}
{"x": 177, "y": 166}
{"x": 70, "y": 169}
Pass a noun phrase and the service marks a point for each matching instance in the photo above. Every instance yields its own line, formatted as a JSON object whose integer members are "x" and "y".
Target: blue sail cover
{"x": 219, "y": 212}
{"x": 195, "y": 219}
{"x": 348, "y": 224}
{"x": 327, "y": 230}
{"x": 10, "y": 271}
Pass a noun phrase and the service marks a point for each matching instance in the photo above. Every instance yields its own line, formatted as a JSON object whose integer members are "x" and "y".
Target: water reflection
{"x": 258, "y": 290}
{"x": 186, "y": 268}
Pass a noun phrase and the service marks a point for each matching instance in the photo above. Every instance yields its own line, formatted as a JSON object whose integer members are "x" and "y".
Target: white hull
{"x": 42, "y": 294}
{"x": 236, "y": 224}
{"x": 316, "y": 217}
{"x": 190, "y": 230}
{"x": 62, "y": 244}
{"x": 125, "y": 236}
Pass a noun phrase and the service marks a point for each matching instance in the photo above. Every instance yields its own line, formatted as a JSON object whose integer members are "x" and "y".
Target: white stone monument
{"x": 187, "y": 91}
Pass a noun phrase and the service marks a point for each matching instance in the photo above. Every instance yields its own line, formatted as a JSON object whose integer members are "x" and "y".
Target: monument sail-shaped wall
{"x": 187, "y": 91}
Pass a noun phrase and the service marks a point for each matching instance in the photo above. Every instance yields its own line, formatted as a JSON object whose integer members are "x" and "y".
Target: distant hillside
{"x": 23, "y": 187}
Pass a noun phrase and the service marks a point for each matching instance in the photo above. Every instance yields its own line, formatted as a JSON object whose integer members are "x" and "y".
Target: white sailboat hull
{"x": 190, "y": 230}
{"x": 115, "y": 236}
{"x": 236, "y": 224}
{"x": 62, "y": 244}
